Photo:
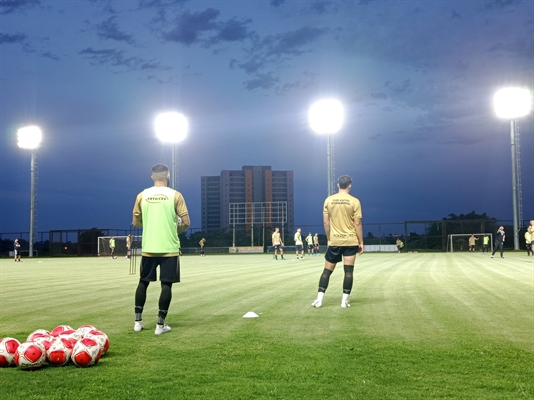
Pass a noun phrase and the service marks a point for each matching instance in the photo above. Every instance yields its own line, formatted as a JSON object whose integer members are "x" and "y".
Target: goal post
{"x": 460, "y": 241}
{"x": 120, "y": 245}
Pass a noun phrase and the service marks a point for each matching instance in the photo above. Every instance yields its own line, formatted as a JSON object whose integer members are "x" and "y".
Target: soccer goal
{"x": 120, "y": 245}
{"x": 460, "y": 242}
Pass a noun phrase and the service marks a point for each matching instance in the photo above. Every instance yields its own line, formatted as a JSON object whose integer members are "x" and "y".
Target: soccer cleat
{"x": 161, "y": 329}
{"x": 317, "y": 303}
{"x": 138, "y": 326}
{"x": 345, "y": 304}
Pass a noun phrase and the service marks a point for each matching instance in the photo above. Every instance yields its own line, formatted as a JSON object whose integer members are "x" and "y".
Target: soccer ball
{"x": 101, "y": 338}
{"x": 46, "y": 341}
{"x": 37, "y": 333}
{"x": 86, "y": 353}
{"x": 8, "y": 348}
{"x": 58, "y": 330}
{"x": 82, "y": 330}
{"x": 60, "y": 351}
{"x": 30, "y": 356}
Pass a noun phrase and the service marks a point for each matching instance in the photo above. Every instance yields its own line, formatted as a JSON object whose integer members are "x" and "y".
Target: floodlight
{"x": 29, "y": 137}
{"x": 326, "y": 116}
{"x": 512, "y": 102}
{"x": 171, "y": 127}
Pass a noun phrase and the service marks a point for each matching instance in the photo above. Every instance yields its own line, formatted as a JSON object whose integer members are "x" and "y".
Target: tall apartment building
{"x": 267, "y": 189}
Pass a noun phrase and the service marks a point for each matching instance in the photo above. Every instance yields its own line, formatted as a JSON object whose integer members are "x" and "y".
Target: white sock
{"x": 320, "y": 296}
{"x": 345, "y": 297}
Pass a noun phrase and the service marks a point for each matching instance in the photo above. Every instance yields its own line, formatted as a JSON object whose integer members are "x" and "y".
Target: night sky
{"x": 417, "y": 80}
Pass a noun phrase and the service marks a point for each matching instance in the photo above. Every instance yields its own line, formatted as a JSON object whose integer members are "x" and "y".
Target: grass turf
{"x": 420, "y": 326}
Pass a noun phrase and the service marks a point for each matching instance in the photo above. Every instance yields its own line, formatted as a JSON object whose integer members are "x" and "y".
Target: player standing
{"x": 499, "y": 241}
{"x": 112, "y": 246}
{"x": 298, "y": 244}
{"x": 342, "y": 215}
{"x": 485, "y": 243}
{"x": 309, "y": 241}
{"x": 201, "y": 244}
{"x": 316, "y": 244}
{"x": 128, "y": 246}
{"x": 472, "y": 243}
{"x": 277, "y": 244}
{"x": 16, "y": 249}
{"x": 162, "y": 213}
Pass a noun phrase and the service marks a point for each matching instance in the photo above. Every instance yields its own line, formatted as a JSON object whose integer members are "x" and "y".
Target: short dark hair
{"x": 344, "y": 181}
{"x": 160, "y": 172}
{"x": 159, "y": 168}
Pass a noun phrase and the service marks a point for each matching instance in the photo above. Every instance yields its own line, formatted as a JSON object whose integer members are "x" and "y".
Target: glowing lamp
{"x": 512, "y": 103}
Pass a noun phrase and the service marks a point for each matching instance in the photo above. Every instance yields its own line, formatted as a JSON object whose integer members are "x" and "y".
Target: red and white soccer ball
{"x": 46, "y": 341}
{"x": 86, "y": 352}
{"x": 37, "y": 334}
{"x": 101, "y": 338}
{"x": 61, "y": 329}
{"x": 82, "y": 330}
{"x": 8, "y": 348}
{"x": 30, "y": 356}
{"x": 60, "y": 351}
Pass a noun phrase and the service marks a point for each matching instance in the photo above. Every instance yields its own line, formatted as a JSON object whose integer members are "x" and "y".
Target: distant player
{"x": 162, "y": 213}
{"x": 309, "y": 241}
{"x": 528, "y": 242}
{"x": 277, "y": 244}
{"x": 399, "y": 245}
{"x": 298, "y": 244}
{"x": 201, "y": 244}
{"x": 530, "y": 230}
{"x": 316, "y": 244}
{"x": 16, "y": 250}
{"x": 472, "y": 243}
{"x": 128, "y": 246}
{"x": 485, "y": 243}
{"x": 112, "y": 246}
{"x": 499, "y": 241}
{"x": 342, "y": 215}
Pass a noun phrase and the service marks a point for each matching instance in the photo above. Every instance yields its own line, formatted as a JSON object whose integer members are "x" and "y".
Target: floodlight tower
{"x": 171, "y": 127}
{"x": 512, "y": 103}
{"x": 30, "y": 138}
{"x": 326, "y": 117}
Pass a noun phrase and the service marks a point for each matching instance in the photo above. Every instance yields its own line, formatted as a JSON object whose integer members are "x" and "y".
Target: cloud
{"x": 262, "y": 81}
{"x": 11, "y": 6}
{"x": 204, "y": 29}
{"x": 116, "y": 58}
{"x": 6, "y": 38}
{"x": 293, "y": 42}
{"x": 500, "y": 4}
{"x": 321, "y": 6}
{"x": 159, "y": 3}
{"x": 277, "y": 3}
{"x": 190, "y": 26}
{"x": 48, "y": 54}
{"x": 109, "y": 29}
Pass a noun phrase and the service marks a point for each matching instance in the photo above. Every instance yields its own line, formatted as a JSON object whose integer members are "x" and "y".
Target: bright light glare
{"x": 29, "y": 137}
{"x": 171, "y": 127}
{"x": 512, "y": 103}
{"x": 326, "y": 116}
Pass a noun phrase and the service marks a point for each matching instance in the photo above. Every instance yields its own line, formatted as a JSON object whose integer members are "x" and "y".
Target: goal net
{"x": 460, "y": 242}
{"x": 120, "y": 245}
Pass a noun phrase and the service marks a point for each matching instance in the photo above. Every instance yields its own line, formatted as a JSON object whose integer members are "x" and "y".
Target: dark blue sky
{"x": 417, "y": 78}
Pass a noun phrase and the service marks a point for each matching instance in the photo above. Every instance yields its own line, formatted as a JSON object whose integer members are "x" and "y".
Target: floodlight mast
{"x": 326, "y": 117}
{"x": 30, "y": 138}
{"x": 172, "y": 127}
{"x": 512, "y": 103}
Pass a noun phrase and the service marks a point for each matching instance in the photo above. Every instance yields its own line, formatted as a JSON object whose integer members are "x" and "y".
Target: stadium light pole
{"x": 326, "y": 117}
{"x": 512, "y": 103}
{"x": 30, "y": 138}
{"x": 171, "y": 127}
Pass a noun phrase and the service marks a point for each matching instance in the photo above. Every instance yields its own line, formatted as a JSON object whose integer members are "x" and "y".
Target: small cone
{"x": 251, "y": 314}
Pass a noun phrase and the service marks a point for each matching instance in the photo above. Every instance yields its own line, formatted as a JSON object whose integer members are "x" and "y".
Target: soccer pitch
{"x": 420, "y": 326}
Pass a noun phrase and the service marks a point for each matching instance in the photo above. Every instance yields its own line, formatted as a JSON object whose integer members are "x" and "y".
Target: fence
{"x": 428, "y": 235}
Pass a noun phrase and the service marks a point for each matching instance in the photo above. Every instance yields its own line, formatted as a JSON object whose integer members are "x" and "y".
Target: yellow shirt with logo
{"x": 342, "y": 209}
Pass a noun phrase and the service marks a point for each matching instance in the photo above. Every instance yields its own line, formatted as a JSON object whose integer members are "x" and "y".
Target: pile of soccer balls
{"x": 83, "y": 346}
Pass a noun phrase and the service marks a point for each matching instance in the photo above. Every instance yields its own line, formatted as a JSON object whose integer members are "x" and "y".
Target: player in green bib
{"x": 162, "y": 213}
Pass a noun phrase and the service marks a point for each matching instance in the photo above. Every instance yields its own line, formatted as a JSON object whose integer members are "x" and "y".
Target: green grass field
{"x": 421, "y": 326}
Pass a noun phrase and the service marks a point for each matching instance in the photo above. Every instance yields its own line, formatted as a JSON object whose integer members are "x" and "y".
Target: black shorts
{"x": 277, "y": 247}
{"x": 310, "y": 246}
{"x": 298, "y": 247}
{"x": 335, "y": 254}
{"x": 169, "y": 269}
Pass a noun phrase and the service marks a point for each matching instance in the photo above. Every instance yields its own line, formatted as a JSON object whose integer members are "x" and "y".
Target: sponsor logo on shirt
{"x": 156, "y": 198}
